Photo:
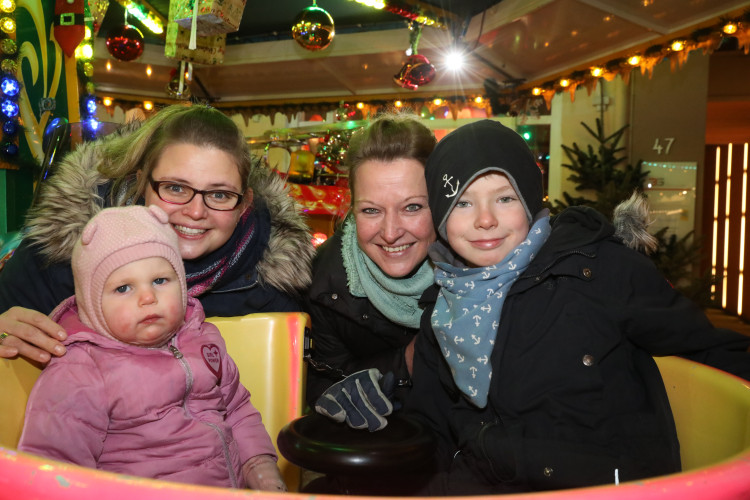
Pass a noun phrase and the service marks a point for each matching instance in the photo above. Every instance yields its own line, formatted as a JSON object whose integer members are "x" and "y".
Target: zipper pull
{"x": 175, "y": 352}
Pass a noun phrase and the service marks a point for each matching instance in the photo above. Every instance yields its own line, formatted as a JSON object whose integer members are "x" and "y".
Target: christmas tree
{"x": 602, "y": 172}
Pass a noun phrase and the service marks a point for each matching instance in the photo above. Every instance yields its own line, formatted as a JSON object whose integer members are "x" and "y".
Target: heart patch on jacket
{"x": 212, "y": 356}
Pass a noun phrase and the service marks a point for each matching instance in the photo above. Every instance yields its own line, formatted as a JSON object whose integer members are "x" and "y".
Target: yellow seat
{"x": 711, "y": 409}
{"x": 17, "y": 377}
{"x": 268, "y": 350}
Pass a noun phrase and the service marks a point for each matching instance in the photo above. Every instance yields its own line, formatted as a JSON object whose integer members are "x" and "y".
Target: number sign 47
{"x": 659, "y": 147}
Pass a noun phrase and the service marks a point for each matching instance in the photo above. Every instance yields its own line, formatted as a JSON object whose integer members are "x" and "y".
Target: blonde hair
{"x": 140, "y": 150}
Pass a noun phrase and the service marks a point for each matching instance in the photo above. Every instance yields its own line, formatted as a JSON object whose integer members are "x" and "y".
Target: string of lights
{"x": 9, "y": 85}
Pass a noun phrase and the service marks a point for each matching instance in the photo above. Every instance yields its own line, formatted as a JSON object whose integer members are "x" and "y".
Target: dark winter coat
{"x": 38, "y": 276}
{"x": 348, "y": 333}
{"x": 575, "y": 395}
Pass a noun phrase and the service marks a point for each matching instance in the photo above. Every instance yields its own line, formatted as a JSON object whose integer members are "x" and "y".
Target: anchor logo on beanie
{"x": 448, "y": 183}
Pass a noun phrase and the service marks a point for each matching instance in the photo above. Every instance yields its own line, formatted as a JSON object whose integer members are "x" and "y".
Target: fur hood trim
{"x": 71, "y": 197}
{"x": 631, "y": 220}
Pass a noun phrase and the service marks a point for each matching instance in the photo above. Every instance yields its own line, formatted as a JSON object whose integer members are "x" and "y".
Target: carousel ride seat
{"x": 711, "y": 410}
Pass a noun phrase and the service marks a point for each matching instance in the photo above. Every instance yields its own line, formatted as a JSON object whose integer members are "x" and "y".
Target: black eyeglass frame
{"x": 155, "y": 186}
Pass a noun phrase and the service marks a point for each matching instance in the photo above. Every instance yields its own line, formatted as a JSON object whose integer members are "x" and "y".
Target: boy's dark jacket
{"x": 38, "y": 276}
{"x": 576, "y": 394}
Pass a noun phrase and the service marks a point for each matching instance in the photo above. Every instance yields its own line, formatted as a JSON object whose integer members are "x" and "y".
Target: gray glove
{"x": 358, "y": 400}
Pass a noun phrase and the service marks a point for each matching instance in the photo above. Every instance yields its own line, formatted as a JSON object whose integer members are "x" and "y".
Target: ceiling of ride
{"x": 511, "y": 42}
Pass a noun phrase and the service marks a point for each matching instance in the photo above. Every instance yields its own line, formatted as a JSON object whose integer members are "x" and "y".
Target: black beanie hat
{"x": 472, "y": 150}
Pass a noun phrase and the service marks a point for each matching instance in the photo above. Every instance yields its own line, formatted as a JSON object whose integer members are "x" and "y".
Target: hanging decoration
{"x": 10, "y": 90}
{"x": 209, "y": 17}
{"x": 68, "y": 30}
{"x": 98, "y": 9}
{"x": 177, "y": 87}
{"x": 180, "y": 43}
{"x": 313, "y": 28}
{"x": 125, "y": 42}
{"x": 417, "y": 70}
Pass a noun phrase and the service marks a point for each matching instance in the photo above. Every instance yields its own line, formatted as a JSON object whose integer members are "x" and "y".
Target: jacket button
{"x": 335, "y": 296}
{"x": 586, "y": 272}
{"x": 365, "y": 316}
{"x": 548, "y": 471}
{"x": 588, "y": 360}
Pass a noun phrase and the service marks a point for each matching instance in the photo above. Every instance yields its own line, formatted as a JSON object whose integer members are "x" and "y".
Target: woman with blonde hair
{"x": 245, "y": 246}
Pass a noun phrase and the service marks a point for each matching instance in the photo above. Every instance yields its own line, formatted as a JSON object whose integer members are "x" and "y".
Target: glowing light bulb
{"x": 536, "y": 91}
{"x": 84, "y": 51}
{"x": 597, "y": 71}
{"x": 148, "y": 105}
{"x": 634, "y": 60}
{"x": 8, "y": 25}
{"x": 9, "y": 86}
{"x": 730, "y": 28}
{"x": 7, "y": 6}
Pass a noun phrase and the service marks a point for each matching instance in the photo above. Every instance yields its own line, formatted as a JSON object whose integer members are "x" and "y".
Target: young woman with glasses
{"x": 245, "y": 246}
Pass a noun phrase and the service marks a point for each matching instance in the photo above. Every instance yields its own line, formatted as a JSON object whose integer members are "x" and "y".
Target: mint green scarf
{"x": 396, "y": 298}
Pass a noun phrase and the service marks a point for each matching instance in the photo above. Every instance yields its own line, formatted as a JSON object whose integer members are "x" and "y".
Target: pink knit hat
{"x": 115, "y": 237}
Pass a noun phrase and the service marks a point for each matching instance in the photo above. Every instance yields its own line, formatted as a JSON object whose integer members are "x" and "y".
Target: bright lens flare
{"x": 455, "y": 60}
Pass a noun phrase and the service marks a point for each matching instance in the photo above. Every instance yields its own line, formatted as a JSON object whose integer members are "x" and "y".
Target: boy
{"x": 534, "y": 363}
{"x": 146, "y": 387}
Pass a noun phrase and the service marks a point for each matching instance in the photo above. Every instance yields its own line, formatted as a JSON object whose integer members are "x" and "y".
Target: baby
{"x": 146, "y": 387}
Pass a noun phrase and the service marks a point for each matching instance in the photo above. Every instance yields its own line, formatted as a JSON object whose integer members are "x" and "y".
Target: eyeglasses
{"x": 180, "y": 194}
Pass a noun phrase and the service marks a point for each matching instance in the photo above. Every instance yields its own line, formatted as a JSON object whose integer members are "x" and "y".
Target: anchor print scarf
{"x": 467, "y": 312}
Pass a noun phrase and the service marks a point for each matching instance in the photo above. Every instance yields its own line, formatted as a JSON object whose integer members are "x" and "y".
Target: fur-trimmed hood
{"x": 74, "y": 194}
{"x": 631, "y": 219}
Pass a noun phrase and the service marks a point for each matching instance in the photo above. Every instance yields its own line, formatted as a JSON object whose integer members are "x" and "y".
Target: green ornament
{"x": 88, "y": 69}
{"x": 90, "y": 88}
{"x": 9, "y": 66}
{"x": 8, "y": 46}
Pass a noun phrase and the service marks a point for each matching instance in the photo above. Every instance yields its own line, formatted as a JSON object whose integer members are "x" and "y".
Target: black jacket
{"x": 575, "y": 394}
{"x": 348, "y": 333}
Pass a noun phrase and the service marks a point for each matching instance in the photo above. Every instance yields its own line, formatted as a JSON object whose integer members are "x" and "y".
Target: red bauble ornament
{"x": 417, "y": 71}
{"x": 125, "y": 42}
